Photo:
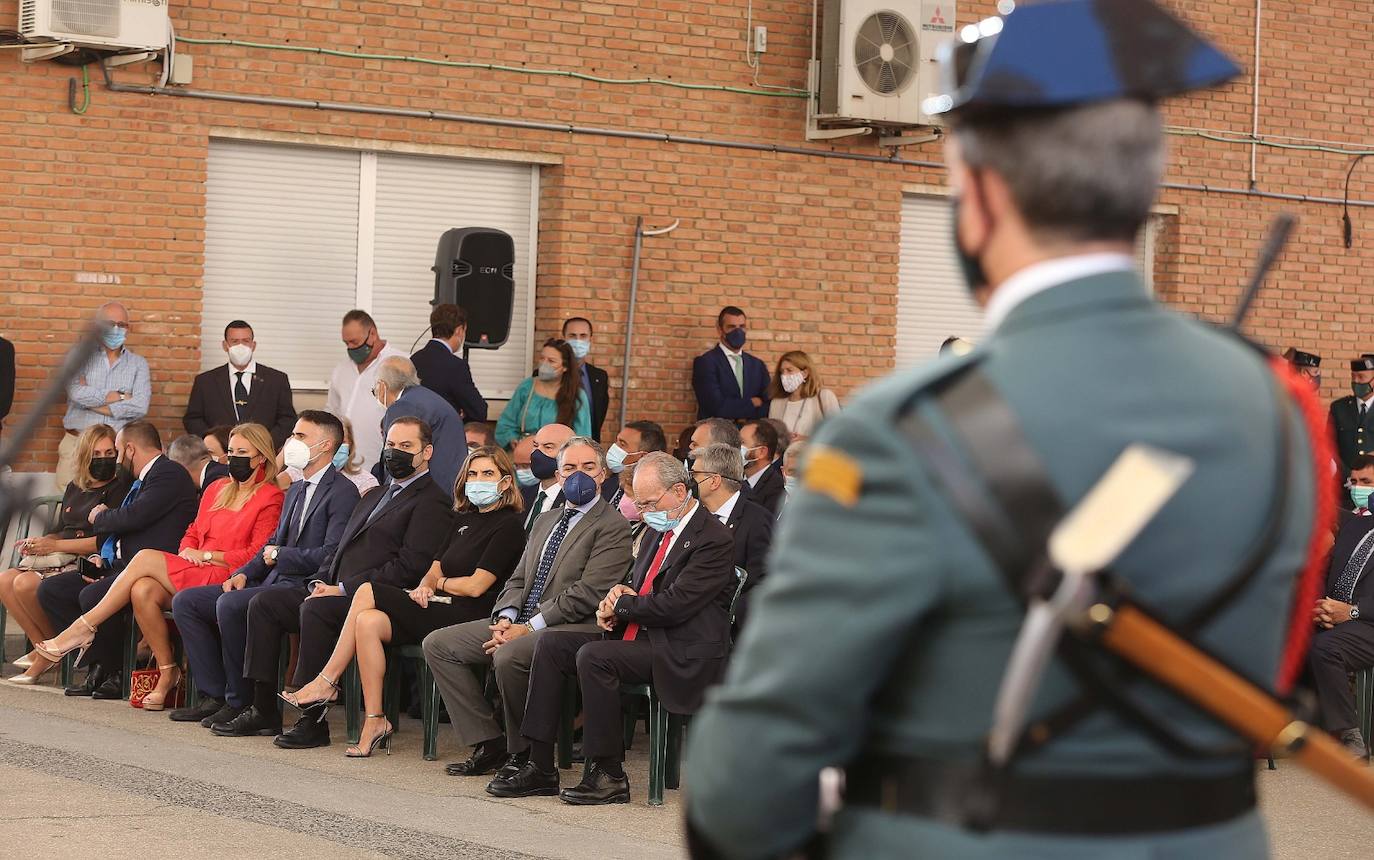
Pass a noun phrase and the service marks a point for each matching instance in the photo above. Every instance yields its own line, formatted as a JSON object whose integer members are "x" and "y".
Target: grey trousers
{"x": 453, "y": 651}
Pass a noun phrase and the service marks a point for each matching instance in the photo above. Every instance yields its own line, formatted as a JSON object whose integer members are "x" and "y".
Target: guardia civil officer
{"x": 881, "y": 635}
{"x": 1352, "y": 417}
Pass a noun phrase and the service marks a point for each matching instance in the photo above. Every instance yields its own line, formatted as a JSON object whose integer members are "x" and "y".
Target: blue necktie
{"x": 107, "y": 547}
{"x": 541, "y": 578}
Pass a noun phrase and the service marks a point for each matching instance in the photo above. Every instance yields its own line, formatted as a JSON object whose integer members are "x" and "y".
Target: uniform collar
{"x": 1039, "y": 277}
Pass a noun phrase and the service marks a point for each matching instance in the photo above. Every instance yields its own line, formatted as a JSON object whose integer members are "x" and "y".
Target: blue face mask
{"x": 483, "y": 493}
{"x": 113, "y": 337}
{"x": 525, "y": 477}
{"x": 542, "y": 465}
{"x": 341, "y": 456}
{"x": 659, "y": 521}
{"x": 735, "y": 339}
{"x": 1360, "y": 496}
{"x": 579, "y": 489}
{"x": 580, "y": 348}
{"x": 615, "y": 458}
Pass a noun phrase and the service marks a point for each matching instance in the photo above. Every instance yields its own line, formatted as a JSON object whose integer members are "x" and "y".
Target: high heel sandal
{"x": 322, "y": 704}
{"x": 161, "y": 704}
{"x": 55, "y": 656}
{"x": 383, "y": 740}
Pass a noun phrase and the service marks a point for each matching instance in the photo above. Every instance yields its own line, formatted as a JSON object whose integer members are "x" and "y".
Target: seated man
{"x": 190, "y": 453}
{"x": 762, "y": 476}
{"x": 393, "y": 535}
{"x": 718, "y": 473}
{"x": 671, "y": 629}
{"x": 1345, "y": 641}
{"x": 546, "y": 493}
{"x": 631, "y": 444}
{"x": 711, "y": 431}
{"x": 213, "y": 619}
{"x": 160, "y": 505}
{"x": 480, "y": 434}
{"x": 575, "y": 553}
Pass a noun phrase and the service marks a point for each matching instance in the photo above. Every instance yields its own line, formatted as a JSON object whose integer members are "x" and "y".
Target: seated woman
{"x": 99, "y": 481}
{"x": 554, "y": 395}
{"x": 482, "y": 550}
{"x": 237, "y": 516}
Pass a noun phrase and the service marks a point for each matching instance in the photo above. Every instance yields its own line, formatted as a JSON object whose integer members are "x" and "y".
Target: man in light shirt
{"x": 352, "y": 380}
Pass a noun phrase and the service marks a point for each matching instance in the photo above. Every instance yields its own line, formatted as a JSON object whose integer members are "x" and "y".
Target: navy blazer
{"x": 398, "y": 546}
{"x": 450, "y": 376}
{"x": 718, "y": 395}
{"x": 310, "y": 554}
{"x": 770, "y": 491}
{"x": 157, "y": 517}
{"x": 450, "y": 445}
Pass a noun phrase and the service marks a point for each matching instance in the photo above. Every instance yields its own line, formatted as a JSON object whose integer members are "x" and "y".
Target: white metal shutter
{"x": 281, "y": 235}
{"x": 420, "y": 197}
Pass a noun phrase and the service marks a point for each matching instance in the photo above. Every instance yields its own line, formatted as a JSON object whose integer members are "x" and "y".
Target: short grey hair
{"x": 793, "y": 452}
{"x": 719, "y": 459}
{"x": 665, "y": 467}
{"x": 397, "y": 374}
{"x": 1087, "y": 173}
{"x": 589, "y": 442}
{"x": 722, "y": 431}
{"x": 187, "y": 450}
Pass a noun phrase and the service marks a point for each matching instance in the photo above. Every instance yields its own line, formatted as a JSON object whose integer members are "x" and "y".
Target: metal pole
{"x": 630, "y": 322}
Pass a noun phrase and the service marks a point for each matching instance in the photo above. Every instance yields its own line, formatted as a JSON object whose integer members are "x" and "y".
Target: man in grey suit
{"x": 575, "y": 554}
{"x": 878, "y": 642}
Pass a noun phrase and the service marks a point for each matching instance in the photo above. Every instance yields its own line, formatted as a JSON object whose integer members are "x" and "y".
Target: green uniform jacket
{"x": 883, "y": 626}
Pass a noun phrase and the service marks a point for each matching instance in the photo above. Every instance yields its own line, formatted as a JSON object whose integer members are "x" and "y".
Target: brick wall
{"x": 807, "y": 245}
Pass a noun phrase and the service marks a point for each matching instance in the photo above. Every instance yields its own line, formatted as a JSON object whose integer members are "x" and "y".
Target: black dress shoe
{"x": 486, "y": 757}
{"x": 596, "y": 788}
{"x": 207, "y": 707}
{"x": 223, "y": 715}
{"x": 1353, "y": 741}
{"x": 109, "y": 688}
{"x": 93, "y": 679}
{"x": 529, "y": 781}
{"x": 250, "y": 723}
{"x": 308, "y": 732}
{"x": 513, "y": 765}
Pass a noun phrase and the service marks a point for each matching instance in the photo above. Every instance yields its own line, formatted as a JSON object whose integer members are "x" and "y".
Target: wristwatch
{"x": 273, "y": 555}
{"x": 1354, "y": 613}
{"x": 207, "y": 556}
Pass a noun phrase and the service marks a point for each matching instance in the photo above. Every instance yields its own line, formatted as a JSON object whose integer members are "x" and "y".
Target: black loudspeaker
{"x": 474, "y": 268}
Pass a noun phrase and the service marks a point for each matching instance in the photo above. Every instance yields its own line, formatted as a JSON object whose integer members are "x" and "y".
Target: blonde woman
{"x": 797, "y": 398}
{"x": 237, "y": 516}
{"x": 98, "y": 481}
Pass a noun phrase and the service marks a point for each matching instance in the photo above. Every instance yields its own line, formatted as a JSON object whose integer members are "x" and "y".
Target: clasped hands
{"x": 503, "y": 631}
{"x": 1327, "y": 613}
{"x": 605, "y": 613}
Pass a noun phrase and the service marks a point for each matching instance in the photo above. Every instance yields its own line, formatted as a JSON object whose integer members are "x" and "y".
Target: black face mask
{"x": 104, "y": 468}
{"x": 398, "y": 464}
{"x": 542, "y": 465}
{"x": 241, "y": 469}
{"x": 969, "y": 265}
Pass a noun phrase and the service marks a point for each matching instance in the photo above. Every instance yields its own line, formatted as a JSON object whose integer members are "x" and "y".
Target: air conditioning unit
{"x": 878, "y": 61}
{"x": 106, "y": 25}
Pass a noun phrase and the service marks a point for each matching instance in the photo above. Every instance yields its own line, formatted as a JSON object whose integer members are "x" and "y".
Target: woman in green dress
{"x": 554, "y": 395}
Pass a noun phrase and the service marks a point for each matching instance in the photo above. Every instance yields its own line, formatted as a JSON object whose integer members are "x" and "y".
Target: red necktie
{"x": 632, "y": 630}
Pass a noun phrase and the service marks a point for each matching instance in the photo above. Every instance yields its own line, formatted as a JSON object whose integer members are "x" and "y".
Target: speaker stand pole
{"x": 640, "y": 233}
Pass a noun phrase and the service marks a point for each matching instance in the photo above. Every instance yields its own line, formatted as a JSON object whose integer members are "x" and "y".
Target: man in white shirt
{"x": 350, "y": 384}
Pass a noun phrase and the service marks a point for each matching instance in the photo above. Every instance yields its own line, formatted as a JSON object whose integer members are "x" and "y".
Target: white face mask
{"x": 295, "y": 454}
{"x": 240, "y": 354}
{"x": 792, "y": 381}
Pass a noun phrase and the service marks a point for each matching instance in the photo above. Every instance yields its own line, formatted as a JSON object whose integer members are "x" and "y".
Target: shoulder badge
{"x": 833, "y": 473}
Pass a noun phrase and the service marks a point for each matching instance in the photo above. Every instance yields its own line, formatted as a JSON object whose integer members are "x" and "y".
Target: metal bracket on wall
{"x": 45, "y": 52}
{"x": 911, "y": 139}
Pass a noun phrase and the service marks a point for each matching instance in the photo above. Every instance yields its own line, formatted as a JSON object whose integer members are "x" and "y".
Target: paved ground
{"x": 101, "y": 779}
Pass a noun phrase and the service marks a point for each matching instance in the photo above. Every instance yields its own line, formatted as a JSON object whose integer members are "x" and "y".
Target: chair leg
{"x": 658, "y": 750}
{"x": 567, "y": 715}
{"x": 130, "y": 659}
{"x": 352, "y": 696}
{"x": 429, "y": 711}
{"x": 677, "y": 726}
{"x": 391, "y": 690}
{"x": 64, "y": 673}
{"x": 4, "y": 620}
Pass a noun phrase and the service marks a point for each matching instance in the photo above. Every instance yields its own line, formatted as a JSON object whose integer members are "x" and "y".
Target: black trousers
{"x": 322, "y": 618}
{"x": 272, "y": 614}
{"x": 1336, "y": 653}
{"x": 601, "y": 666}
{"x": 67, "y": 595}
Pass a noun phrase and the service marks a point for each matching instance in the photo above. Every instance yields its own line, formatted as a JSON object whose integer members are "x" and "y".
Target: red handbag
{"x": 144, "y": 681}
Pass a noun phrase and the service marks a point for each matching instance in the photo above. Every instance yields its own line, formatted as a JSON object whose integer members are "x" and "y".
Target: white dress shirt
{"x": 350, "y": 396}
{"x": 312, "y": 484}
{"x": 723, "y": 512}
{"x": 248, "y": 372}
{"x": 1038, "y": 277}
{"x": 754, "y": 478}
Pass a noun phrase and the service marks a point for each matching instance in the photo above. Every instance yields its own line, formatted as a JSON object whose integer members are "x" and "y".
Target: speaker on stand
{"x": 474, "y": 268}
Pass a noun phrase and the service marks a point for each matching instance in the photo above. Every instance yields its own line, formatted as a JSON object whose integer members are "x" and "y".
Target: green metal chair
{"x": 391, "y": 697}
{"x": 25, "y": 522}
{"x": 1364, "y": 701}
{"x": 131, "y": 662}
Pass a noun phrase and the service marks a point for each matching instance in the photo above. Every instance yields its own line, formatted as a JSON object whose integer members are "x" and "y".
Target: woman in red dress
{"x": 237, "y": 516}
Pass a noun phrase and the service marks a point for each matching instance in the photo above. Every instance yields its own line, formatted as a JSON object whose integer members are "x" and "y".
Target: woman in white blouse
{"x": 797, "y": 397}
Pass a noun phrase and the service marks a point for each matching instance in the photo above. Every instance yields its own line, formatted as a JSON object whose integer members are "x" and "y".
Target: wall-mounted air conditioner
{"x": 106, "y": 25}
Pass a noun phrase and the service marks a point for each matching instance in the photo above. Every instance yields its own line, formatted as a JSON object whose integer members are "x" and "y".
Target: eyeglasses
{"x": 114, "y": 324}
{"x": 646, "y": 506}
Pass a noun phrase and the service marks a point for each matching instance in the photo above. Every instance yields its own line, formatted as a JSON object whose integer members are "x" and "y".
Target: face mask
{"x": 735, "y": 340}
{"x": 579, "y": 488}
{"x": 103, "y": 468}
{"x": 113, "y": 337}
{"x": 659, "y": 521}
{"x": 526, "y": 478}
{"x": 789, "y": 482}
{"x": 744, "y": 452}
{"x": 295, "y": 454}
{"x": 359, "y": 354}
{"x": 792, "y": 381}
{"x": 482, "y": 493}
{"x": 615, "y": 458}
{"x": 381, "y": 395}
{"x": 241, "y": 469}
{"x": 1360, "y": 496}
{"x": 1361, "y": 389}
{"x": 542, "y": 465}
{"x": 628, "y": 509}
{"x": 580, "y": 348}
{"x": 547, "y": 372}
{"x": 398, "y": 464}
{"x": 341, "y": 456}
{"x": 240, "y": 354}
{"x": 969, "y": 265}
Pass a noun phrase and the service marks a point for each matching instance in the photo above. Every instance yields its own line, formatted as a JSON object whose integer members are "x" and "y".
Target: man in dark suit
{"x": 574, "y": 555}
{"x": 7, "y": 376}
{"x": 154, "y": 515}
{"x": 393, "y": 535}
{"x": 442, "y": 370}
{"x": 1345, "y": 641}
{"x": 1352, "y": 417}
{"x": 631, "y": 444}
{"x": 398, "y": 389}
{"x": 546, "y": 493}
{"x": 213, "y": 619}
{"x": 241, "y": 391}
{"x": 577, "y": 331}
{"x": 671, "y": 629}
{"x": 718, "y": 473}
{"x": 763, "y": 479}
{"x": 729, "y": 382}
{"x": 189, "y": 452}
